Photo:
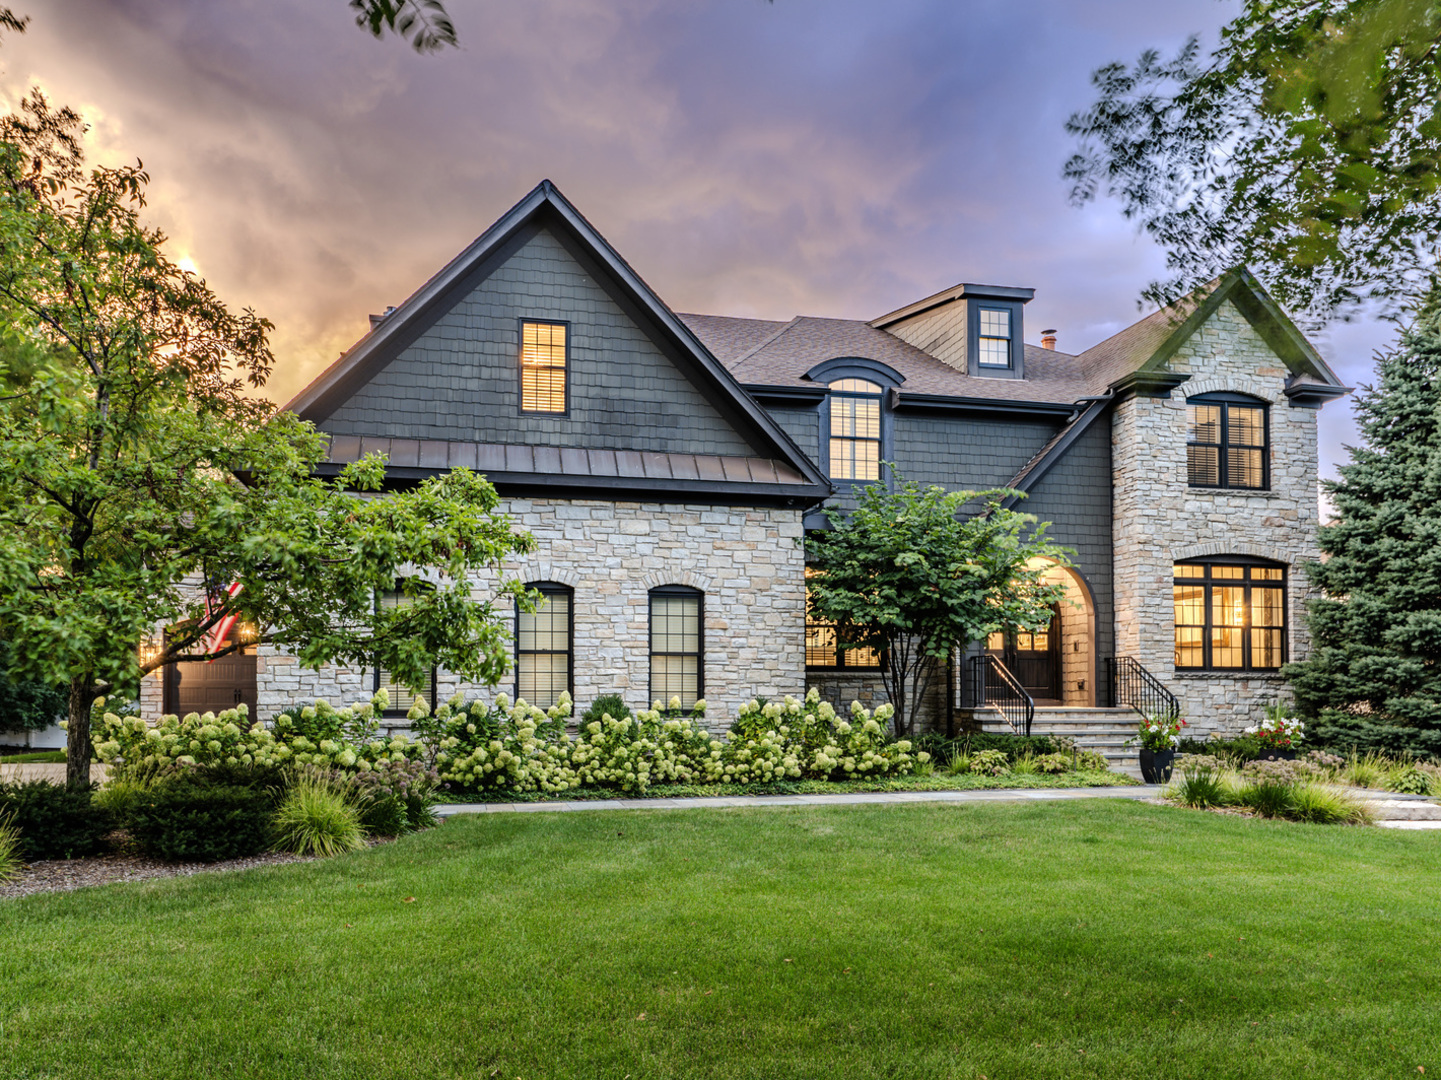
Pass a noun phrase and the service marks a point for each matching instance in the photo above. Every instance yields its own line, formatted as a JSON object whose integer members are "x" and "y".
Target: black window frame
{"x": 1207, "y": 581}
{"x": 1225, "y": 401}
{"x": 549, "y": 588}
{"x": 675, "y": 591}
{"x": 375, "y": 659}
{"x": 1009, "y": 339}
{"x": 521, "y": 324}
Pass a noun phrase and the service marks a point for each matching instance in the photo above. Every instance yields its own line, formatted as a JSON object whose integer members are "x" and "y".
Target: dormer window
{"x": 855, "y": 442}
{"x": 994, "y": 339}
{"x": 544, "y": 367}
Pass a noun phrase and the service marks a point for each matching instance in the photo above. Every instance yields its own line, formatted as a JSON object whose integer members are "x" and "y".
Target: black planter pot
{"x": 1277, "y": 755}
{"x": 1156, "y": 765}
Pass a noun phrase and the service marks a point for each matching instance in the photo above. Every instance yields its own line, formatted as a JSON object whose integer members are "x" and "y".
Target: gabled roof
{"x": 546, "y": 207}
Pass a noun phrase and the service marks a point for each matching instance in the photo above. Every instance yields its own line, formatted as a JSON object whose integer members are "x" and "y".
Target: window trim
{"x": 375, "y": 662}
{"x": 520, "y": 366}
{"x": 1207, "y": 583}
{"x": 1009, "y": 339}
{"x": 1225, "y": 401}
{"x": 651, "y": 654}
{"x": 549, "y": 588}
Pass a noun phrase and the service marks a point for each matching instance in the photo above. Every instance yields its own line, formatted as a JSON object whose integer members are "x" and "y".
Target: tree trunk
{"x": 77, "y": 742}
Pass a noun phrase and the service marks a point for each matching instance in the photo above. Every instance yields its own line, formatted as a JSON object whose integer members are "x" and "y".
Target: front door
{"x": 1034, "y": 659}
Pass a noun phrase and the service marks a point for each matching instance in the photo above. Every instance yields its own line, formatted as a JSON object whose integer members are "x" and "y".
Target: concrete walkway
{"x": 858, "y": 798}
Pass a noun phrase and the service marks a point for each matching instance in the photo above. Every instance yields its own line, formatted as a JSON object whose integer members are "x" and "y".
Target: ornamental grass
{"x": 318, "y": 817}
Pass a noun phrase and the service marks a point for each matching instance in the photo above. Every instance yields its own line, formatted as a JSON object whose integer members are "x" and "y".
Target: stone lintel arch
{"x": 545, "y": 570}
{"x": 1232, "y": 547}
{"x": 1079, "y": 672}
{"x": 656, "y": 578}
{"x": 1269, "y": 390}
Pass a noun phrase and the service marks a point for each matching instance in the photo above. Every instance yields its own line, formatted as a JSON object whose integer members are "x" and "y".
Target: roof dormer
{"x": 977, "y": 329}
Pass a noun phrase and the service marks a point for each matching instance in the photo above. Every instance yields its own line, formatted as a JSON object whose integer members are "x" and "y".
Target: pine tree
{"x": 1373, "y": 679}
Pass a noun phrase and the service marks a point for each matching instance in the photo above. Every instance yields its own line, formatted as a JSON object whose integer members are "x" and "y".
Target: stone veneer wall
{"x": 1158, "y": 518}
{"x": 747, "y": 561}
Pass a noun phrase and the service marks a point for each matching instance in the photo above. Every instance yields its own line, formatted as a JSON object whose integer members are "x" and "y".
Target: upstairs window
{"x": 1230, "y": 616}
{"x": 544, "y": 656}
{"x": 402, "y": 697}
{"x": 1226, "y": 443}
{"x": 855, "y": 443}
{"x": 676, "y": 645}
{"x": 543, "y": 366}
{"x": 994, "y": 340}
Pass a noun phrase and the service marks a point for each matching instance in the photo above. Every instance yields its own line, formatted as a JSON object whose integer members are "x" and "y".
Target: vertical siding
{"x": 459, "y": 380}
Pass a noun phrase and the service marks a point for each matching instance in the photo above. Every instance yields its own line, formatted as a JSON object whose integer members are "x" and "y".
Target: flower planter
{"x": 1156, "y": 765}
{"x": 1273, "y": 754}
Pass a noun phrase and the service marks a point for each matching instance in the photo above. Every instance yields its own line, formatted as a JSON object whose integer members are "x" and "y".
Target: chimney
{"x": 1048, "y": 339}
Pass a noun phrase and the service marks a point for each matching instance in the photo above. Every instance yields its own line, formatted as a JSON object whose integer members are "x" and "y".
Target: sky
{"x": 819, "y": 157}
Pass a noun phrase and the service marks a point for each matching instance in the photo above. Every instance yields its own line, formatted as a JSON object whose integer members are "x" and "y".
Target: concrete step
{"x": 1404, "y": 810}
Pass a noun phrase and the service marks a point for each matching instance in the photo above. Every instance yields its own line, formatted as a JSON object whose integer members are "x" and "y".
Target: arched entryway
{"x": 1058, "y": 665}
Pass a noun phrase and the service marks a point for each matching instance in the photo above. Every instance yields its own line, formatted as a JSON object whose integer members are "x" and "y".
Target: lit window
{"x": 995, "y": 338}
{"x": 1229, "y": 617}
{"x": 821, "y": 650}
{"x": 1225, "y": 443}
{"x": 543, "y": 654}
{"x": 676, "y": 644}
{"x": 855, "y": 446}
{"x": 542, "y": 367}
{"x": 402, "y": 697}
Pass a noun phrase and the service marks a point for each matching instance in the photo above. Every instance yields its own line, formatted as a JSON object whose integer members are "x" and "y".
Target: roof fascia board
{"x": 379, "y": 346}
{"x": 965, "y": 290}
{"x": 787, "y": 395}
{"x": 684, "y": 337}
{"x": 1034, "y": 472}
{"x": 1279, "y": 330}
{"x": 942, "y": 403}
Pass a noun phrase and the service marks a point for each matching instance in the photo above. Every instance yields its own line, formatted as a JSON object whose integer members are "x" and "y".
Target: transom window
{"x": 402, "y": 697}
{"x": 543, "y": 368}
{"x": 544, "y": 656}
{"x": 855, "y": 446}
{"x": 995, "y": 338}
{"x": 1230, "y": 616}
{"x": 676, "y": 645}
{"x": 1226, "y": 442}
{"x": 821, "y": 650}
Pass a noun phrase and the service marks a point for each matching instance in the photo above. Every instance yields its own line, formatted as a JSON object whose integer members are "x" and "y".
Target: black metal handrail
{"x": 1133, "y": 685}
{"x": 995, "y": 685}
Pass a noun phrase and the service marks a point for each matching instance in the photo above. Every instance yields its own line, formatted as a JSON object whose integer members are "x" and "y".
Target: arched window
{"x": 1230, "y": 614}
{"x": 1227, "y": 442}
{"x": 855, "y": 436}
{"x": 544, "y": 645}
{"x": 677, "y": 644}
{"x": 401, "y": 696}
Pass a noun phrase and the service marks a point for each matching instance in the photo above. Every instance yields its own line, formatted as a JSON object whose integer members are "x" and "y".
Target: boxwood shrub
{"x": 55, "y": 822}
{"x": 190, "y": 821}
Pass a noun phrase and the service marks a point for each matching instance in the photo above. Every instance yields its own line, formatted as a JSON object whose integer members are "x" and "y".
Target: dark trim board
{"x": 961, "y": 406}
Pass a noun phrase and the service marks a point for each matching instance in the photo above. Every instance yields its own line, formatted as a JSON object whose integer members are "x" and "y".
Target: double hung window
{"x": 855, "y": 438}
{"x": 993, "y": 342}
{"x": 677, "y": 644}
{"x": 402, "y": 697}
{"x": 544, "y": 355}
{"x": 544, "y": 657}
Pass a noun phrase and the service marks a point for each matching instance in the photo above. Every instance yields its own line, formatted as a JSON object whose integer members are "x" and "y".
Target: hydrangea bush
{"x": 518, "y": 747}
{"x": 317, "y": 734}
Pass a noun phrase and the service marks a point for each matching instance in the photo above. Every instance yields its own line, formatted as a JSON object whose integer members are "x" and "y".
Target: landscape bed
{"x": 1097, "y": 939}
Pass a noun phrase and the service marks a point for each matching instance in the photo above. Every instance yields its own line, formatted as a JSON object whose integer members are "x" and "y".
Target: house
{"x": 669, "y": 465}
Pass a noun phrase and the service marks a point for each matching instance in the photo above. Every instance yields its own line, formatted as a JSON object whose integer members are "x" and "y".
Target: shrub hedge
{"x": 55, "y": 822}
{"x": 188, "y": 821}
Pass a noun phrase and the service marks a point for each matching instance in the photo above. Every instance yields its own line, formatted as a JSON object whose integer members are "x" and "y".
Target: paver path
{"x": 1144, "y": 791}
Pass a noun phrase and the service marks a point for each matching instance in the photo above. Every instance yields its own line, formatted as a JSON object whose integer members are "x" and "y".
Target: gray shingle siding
{"x": 458, "y": 381}
{"x": 803, "y": 426}
{"x": 963, "y": 452}
{"x": 1075, "y": 497}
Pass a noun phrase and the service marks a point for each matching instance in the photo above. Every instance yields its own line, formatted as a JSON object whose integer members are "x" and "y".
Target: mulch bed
{"x": 63, "y": 875}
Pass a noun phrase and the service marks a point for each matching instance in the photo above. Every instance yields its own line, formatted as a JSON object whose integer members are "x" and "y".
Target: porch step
{"x": 1105, "y": 731}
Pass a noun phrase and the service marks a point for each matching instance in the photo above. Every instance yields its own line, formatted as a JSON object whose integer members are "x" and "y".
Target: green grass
{"x": 1097, "y": 939}
{"x": 37, "y": 757}
{"x": 940, "y": 781}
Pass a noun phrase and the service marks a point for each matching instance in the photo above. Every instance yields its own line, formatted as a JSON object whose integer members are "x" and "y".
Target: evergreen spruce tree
{"x": 1373, "y": 678}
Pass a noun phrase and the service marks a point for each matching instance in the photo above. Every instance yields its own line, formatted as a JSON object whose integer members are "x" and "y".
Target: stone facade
{"x": 748, "y": 561}
{"x": 1158, "y": 518}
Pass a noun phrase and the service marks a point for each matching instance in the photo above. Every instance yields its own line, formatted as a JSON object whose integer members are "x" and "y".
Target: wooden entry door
{"x": 1034, "y": 659}
{"x": 214, "y": 687}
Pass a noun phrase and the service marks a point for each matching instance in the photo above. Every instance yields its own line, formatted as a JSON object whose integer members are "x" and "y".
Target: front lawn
{"x": 1101, "y": 938}
{"x": 34, "y": 757}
